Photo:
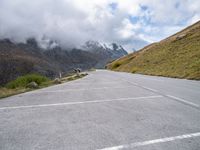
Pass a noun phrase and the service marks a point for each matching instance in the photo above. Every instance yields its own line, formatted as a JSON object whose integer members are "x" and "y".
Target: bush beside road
{"x": 25, "y": 83}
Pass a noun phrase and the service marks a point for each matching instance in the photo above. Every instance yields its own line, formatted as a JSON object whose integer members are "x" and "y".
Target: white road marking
{"x": 144, "y": 87}
{"x": 150, "y": 89}
{"x": 156, "y": 141}
{"x": 82, "y": 102}
{"x": 133, "y": 83}
{"x": 183, "y": 101}
{"x": 71, "y": 90}
{"x": 169, "y": 96}
{"x": 89, "y": 83}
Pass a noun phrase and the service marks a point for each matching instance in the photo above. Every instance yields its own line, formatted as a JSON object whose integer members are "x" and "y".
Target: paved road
{"x": 104, "y": 110}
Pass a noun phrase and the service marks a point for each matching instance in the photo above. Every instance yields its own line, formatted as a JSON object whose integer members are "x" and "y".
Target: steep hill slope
{"x": 20, "y": 59}
{"x": 176, "y": 56}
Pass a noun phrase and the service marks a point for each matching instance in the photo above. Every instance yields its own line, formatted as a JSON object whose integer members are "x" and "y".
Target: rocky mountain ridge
{"x": 22, "y": 58}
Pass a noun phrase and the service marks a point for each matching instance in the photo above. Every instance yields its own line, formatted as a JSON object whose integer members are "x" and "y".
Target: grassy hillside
{"x": 176, "y": 56}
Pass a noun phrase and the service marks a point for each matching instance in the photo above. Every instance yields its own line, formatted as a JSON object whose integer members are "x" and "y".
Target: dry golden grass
{"x": 5, "y": 92}
{"x": 177, "y": 56}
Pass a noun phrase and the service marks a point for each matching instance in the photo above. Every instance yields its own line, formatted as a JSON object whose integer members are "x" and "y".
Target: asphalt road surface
{"x": 104, "y": 110}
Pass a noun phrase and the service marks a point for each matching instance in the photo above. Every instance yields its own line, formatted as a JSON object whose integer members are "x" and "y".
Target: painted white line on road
{"x": 150, "y": 89}
{"x": 144, "y": 87}
{"x": 169, "y": 96}
{"x": 133, "y": 83}
{"x": 72, "y": 90}
{"x": 82, "y": 102}
{"x": 183, "y": 101}
{"x": 156, "y": 141}
{"x": 94, "y": 83}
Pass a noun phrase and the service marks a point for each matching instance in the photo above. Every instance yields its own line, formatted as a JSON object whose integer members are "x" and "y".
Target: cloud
{"x": 132, "y": 23}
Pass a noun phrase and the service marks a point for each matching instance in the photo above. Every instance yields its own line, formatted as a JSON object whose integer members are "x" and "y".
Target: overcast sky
{"x": 132, "y": 23}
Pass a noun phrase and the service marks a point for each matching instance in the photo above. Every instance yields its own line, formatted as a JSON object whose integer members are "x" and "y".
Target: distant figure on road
{"x": 77, "y": 71}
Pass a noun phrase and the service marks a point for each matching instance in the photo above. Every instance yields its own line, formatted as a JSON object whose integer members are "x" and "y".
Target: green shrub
{"x": 22, "y": 81}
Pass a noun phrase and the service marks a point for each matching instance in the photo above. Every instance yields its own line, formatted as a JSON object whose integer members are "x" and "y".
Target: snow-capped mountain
{"x": 113, "y": 49}
{"x": 104, "y": 52}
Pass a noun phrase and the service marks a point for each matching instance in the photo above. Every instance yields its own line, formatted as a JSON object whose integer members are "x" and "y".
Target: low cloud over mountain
{"x": 131, "y": 23}
{"x": 20, "y": 59}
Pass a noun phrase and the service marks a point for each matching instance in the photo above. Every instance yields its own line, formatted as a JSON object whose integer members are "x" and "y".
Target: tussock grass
{"x": 116, "y": 65}
{"x": 5, "y": 92}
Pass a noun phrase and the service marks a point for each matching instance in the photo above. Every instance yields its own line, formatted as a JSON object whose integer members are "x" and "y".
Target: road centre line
{"x": 150, "y": 89}
{"x": 155, "y": 141}
{"x": 144, "y": 87}
{"x": 164, "y": 95}
{"x": 80, "y": 102}
{"x": 183, "y": 101}
{"x": 88, "y": 83}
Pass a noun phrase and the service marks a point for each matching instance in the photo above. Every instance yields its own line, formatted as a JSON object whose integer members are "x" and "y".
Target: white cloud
{"x": 132, "y": 23}
{"x": 127, "y": 29}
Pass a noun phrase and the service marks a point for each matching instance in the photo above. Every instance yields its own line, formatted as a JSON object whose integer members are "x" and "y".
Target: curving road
{"x": 104, "y": 110}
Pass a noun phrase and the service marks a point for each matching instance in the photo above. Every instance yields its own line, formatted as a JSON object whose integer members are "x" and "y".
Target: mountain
{"x": 17, "y": 59}
{"x": 67, "y": 60}
{"x": 20, "y": 59}
{"x": 104, "y": 53}
{"x": 175, "y": 56}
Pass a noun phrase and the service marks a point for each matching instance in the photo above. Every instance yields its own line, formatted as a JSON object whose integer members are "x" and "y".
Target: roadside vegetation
{"x": 23, "y": 81}
{"x": 31, "y": 82}
{"x": 177, "y": 56}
